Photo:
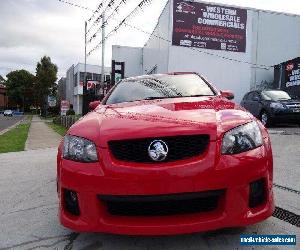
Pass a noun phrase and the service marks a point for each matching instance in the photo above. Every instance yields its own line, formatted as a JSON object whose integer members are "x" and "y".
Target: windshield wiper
{"x": 196, "y": 95}
{"x": 177, "y": 96}
{"x": 159, "y": 97}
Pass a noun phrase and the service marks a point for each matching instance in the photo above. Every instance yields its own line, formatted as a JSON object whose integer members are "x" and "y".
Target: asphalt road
{"x": 7, "y": 121}
{"x": 28, "y": 206}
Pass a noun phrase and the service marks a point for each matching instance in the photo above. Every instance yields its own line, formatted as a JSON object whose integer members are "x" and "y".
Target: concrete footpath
{"x": 41, "y": 135}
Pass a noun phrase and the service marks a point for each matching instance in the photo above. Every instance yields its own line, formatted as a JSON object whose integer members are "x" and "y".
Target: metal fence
{"x": 66, "y": 121}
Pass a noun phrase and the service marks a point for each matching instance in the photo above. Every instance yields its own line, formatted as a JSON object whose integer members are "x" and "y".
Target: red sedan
{"x": 165, "y": 154}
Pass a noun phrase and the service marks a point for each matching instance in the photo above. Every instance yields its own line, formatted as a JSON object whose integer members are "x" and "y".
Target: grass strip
{"x": 58, "y": 128}
{"x": 14, "y": 140}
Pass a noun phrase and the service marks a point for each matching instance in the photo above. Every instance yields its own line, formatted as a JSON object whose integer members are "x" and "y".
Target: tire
{"x": 265, "y": 119}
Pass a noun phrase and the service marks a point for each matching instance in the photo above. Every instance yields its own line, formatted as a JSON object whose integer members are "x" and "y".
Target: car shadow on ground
{"x": 284, "y": 129}
{"x": 227, "y": 238}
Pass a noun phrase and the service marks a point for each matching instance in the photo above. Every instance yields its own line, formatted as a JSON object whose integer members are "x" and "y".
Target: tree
{"x": 46, "y": 76}
{"x": 19, "y": 85}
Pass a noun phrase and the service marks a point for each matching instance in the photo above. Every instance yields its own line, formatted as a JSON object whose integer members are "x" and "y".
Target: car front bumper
{"x": 232, "y": 174}
{"x": 285, "y": 116}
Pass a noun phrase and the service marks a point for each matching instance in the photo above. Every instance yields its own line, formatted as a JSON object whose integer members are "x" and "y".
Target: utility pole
{"x": 103, "y": 49}
{"x": 84, "y": 94}
{"x": 85, "y": 38}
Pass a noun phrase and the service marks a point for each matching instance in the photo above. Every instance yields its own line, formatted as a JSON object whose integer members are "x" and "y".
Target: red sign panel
{"x": 209, "y": 26}
{"x": 90, "y": 84}
{"x": 64, "y": 107}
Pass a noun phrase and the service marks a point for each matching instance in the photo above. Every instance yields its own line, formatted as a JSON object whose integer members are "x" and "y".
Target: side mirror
{"x": 227, "y": 94}
{"x": 94, "y": 105}
{"x": 256, "y": 99}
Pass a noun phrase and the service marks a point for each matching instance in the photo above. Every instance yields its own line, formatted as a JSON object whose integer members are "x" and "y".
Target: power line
{"x": 75, "y": 5}
{"x": 109, "y": 5}
{"x": 139, "y": 7}
{"x": 116, "y": 10}
{"x": 262, "y": 66}
{"x": 97, "y": 10}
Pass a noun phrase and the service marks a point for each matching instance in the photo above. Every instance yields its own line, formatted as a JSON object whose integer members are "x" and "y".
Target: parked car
{"x": 272, "y": 106}
{"x": 164, "y": 154}
{"x": 8, "y": 112}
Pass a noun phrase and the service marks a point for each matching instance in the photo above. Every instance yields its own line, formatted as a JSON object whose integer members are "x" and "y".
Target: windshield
{"x": 275, "y": 95}
{"x": 165, "y": 86}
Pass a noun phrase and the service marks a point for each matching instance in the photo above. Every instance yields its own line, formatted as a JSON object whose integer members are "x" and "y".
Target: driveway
{"x": 28, "y": 207}
{"x": 7, "y": 121}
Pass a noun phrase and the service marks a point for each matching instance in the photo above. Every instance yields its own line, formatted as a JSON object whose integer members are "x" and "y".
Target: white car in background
{"x": 8, "y": 113}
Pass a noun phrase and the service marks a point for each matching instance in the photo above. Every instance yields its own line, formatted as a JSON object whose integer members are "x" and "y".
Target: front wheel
{"x": 265, "y": 119}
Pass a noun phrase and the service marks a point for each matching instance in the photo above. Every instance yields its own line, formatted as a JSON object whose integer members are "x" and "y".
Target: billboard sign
{"x": 209, "y": 26}
{"x": 51, "y": 101}
{"x": 64, "y": 107}
{"x": 292, "y": 73}
{"x": 291, "y": 83}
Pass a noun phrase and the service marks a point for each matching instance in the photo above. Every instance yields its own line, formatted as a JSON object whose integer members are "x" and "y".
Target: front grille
{"x": 180, "y": 147}
{"x": 162, "y": 205}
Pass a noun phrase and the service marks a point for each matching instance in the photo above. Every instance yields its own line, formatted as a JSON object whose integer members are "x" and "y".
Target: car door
{"x": 255, "y": 103}
{"x": 244, "y": 102}
{"x": 249, "y": 102}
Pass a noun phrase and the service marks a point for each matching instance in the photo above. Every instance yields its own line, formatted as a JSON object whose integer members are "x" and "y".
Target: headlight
{"x": 242, "y": 138}
{"x": 79, "y": 149}
{"x": 276, "y": 105}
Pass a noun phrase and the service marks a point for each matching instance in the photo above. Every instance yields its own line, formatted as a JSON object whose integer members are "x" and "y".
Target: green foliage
{"x": 46, "y": 76}
{"x": 20, "y": 87}
{"x": 70, "y": 112}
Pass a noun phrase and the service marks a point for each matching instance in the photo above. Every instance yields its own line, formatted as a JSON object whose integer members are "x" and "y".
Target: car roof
{"x": 273, "y": 90}
{"x": 261, "y": 90}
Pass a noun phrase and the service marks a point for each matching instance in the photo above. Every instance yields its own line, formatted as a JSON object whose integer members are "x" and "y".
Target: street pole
{"x": 85, "y": 38}
{"x": 103, "y": 50}
{"x": 84, "y": 80}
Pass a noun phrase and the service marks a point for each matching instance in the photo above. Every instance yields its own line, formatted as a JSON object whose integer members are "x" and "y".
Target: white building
{"x": 75, "y": 79}
{"x": 233, "y": 47}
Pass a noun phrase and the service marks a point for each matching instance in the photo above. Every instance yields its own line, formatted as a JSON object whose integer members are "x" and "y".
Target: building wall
{"x": 156, "y": 50}
{"x": 272, "y": 38}
{"x": 278, "y": 41}
{"x": 74, "y": 89}
{"x": 132, "y": 57}
{"x": 78, "y": 88}
{"x": 223, "y": 73}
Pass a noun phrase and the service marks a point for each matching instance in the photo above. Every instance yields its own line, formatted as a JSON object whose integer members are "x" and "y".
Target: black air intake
{"x": 71, "y": 202}
{"x": 257, "y": 194}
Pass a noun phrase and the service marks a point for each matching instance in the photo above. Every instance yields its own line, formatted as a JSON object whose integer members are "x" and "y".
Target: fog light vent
{"x": 257, "y": 194}
{"x": 71, "y": 202}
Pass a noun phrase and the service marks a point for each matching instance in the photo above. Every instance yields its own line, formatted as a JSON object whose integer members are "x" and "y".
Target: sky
{"x": 30, "y": 29}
